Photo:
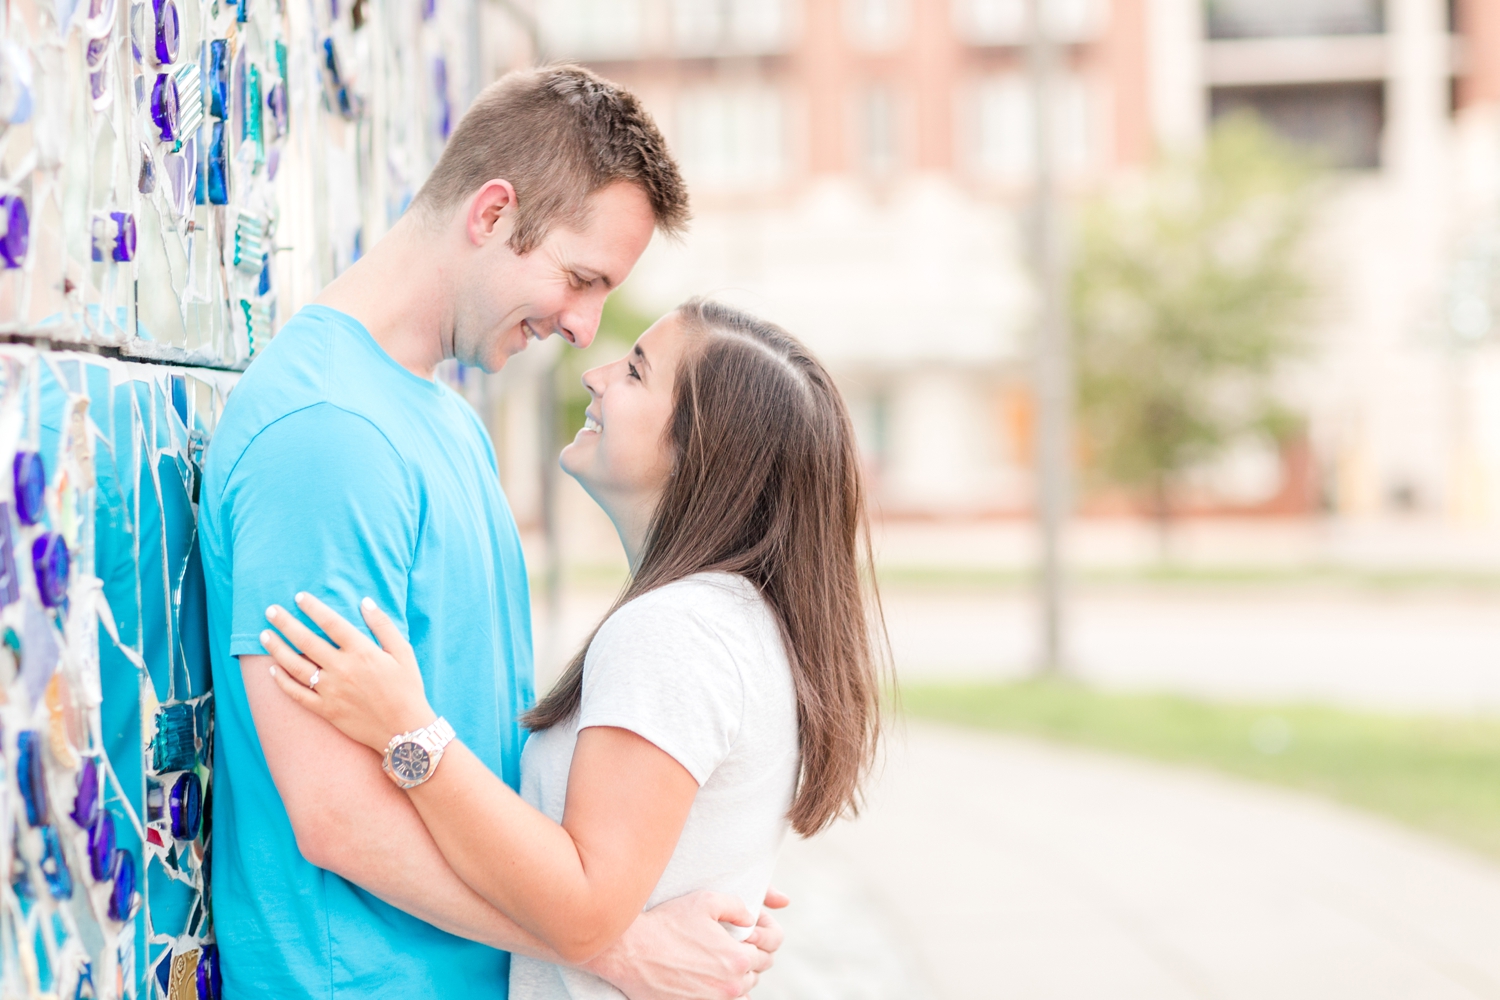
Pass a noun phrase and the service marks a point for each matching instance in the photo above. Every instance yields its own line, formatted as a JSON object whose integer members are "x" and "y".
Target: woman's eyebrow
{"x": 642, "y": 355}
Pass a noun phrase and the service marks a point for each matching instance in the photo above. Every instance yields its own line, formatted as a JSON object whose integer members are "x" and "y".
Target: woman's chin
{"x": 571, "y": 462}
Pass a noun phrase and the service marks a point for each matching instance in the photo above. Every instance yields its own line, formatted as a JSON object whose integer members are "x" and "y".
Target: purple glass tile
{"x": 123, "y": 897}
{"x": 168, "y": 31}
{"x": 30, "y": 481}
{"x": 124, "y": 245}
{"x": 102, "y": 854}
{"x": 10, "y": 580}
{"x": 17, "y": 230}
{"x": 164, "y": 106}
{"x": 99, "y": 86}
{"x": 50, "y": 559}
{"x": 186, "y": 806}
{"x": 210, "y": 982}
{"x": 95, "y": 53}
{"x": 276, "y": 101}
{"x": 86, "y": 803}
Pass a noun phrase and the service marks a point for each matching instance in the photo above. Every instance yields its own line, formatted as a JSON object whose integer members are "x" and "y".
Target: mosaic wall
{"x": 176, "y": 177}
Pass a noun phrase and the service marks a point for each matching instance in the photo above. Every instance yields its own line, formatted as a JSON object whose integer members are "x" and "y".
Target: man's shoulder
{"x": 290, "y": 387}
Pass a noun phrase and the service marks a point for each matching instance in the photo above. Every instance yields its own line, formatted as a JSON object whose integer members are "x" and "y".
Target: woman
{"x": 732, "y": 690}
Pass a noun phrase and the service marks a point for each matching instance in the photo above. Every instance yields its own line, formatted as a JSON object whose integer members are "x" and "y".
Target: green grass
{"x": 1171, "y": 574}
{"x": 1441, "y": 775}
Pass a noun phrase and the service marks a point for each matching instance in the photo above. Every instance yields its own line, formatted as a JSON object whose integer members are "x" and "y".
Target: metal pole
{"x": 1052, "y": 373}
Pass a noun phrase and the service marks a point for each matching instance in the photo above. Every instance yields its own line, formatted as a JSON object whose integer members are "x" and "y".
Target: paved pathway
{"x": 1414, "y": 651}
{"x": 991, "y": 867}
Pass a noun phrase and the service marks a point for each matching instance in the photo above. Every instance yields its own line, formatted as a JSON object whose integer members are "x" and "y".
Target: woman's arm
{"x": 577, "y": 886}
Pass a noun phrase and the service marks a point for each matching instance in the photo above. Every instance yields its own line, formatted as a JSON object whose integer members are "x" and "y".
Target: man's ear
{"x": 492, "y": 212}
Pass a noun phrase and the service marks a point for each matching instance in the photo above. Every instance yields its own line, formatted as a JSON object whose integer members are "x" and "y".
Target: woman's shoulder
{"x": 721, "y": 603}
{"x": 701, "y": 591}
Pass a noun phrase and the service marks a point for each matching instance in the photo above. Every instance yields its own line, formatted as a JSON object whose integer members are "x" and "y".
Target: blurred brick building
{"x": 860, "y": 171}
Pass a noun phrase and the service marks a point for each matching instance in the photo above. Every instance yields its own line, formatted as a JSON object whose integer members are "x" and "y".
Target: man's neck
{"x": 397, "y": 292}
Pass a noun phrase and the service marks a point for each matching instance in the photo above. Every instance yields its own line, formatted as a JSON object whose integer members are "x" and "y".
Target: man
{"x": 342, "y": 468}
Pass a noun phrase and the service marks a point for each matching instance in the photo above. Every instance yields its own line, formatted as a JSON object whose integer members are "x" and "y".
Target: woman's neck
{"x": 632, "y": 520}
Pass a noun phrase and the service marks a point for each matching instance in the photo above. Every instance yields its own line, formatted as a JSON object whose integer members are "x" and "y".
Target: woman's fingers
{"x": 297, "y": 692}
{"x": 305, "y": 639}
{"x": 299, "y": 667}
{"x": 333, "y": 624}
{"x": 386, "y": 633}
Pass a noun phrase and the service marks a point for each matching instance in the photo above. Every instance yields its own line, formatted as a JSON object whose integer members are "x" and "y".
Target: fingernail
{"x": 367, "y": 604}
{"x": 273, "y": 670}
{"x": 272, "y": 611}
{"x": 265, "y": 638}
{"x": 301, "y": 596}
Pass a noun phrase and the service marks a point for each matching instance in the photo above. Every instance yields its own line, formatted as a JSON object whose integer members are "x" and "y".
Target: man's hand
{"x": 679, "y": 951}
{"x": 768, "y": 934}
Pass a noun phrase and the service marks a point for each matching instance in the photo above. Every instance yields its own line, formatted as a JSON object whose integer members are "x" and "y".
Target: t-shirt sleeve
{"x": 320, "y": 502}
{"x": 661, "y": 670}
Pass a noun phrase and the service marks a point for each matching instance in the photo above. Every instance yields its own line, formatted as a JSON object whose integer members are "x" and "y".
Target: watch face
{"x": 410, "y": 761}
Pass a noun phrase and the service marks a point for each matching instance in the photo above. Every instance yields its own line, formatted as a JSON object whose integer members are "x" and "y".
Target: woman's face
{"x": 622, "y": 453}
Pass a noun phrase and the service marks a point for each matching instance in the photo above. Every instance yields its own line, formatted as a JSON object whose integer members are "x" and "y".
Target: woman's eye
{"x": 630, "y": 367}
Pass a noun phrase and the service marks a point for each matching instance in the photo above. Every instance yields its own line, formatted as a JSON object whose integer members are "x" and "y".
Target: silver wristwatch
{"x": 411, "y": 757}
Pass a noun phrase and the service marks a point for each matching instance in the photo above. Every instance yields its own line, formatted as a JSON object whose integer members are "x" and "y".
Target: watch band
{"x": 431, "y": 739}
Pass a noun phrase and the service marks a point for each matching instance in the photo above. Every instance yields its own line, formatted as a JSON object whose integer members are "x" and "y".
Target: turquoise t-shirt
{"x": 336, "y": 471}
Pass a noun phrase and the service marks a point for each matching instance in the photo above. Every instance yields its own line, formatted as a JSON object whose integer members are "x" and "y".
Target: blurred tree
{"x": 1186, "y": 292}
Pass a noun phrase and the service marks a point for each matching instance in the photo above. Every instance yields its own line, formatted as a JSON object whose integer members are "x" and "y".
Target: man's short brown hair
{"x": 558, "y": 134}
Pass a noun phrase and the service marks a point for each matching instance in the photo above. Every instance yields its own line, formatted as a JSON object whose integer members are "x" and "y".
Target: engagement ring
{"x": 312, "y": 682}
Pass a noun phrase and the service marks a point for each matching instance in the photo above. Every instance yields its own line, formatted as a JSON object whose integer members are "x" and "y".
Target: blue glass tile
{"x": 175, "y": 746}
{"x": 218, "y": 165}
{"x": 54, "y": 866}
{"x": 31, "y": 776}
{"x": 218, "y": 78}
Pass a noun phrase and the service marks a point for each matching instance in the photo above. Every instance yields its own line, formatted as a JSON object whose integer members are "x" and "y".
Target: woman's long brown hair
{"x": 766, "y": 484}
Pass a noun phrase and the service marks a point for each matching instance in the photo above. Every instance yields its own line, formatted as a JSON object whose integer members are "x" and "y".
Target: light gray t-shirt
{"x": 698, "y": 668}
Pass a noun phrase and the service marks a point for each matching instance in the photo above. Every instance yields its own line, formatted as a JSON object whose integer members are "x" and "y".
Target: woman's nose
{"x": 593, "y": 381}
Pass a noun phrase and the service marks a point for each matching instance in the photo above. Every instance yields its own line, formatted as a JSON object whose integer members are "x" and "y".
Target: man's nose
{"x": 580, "y": 324}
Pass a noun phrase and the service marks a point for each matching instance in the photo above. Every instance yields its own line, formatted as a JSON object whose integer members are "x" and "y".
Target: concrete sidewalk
{"x": 992, "y": 867}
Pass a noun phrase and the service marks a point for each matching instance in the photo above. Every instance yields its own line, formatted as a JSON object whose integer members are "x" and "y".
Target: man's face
{"x": 559, "y": 287}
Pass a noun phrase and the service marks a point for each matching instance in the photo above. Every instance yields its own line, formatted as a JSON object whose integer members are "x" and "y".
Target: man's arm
{"x": 350, "y": 819}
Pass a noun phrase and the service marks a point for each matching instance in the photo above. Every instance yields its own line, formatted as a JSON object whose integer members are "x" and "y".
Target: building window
{"x": 732, "y": 138}
{"x": 591, "y": 29}
{"x": 877, "y": 127}
{"x": 1006, "y": 22}
{"x": 1005, "y": 127}
{"x": 731, "y": 27}
{"x": 1289, "y": 18}
{"x": 876, "y": 25}
{"x": 1340, "y": 123}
